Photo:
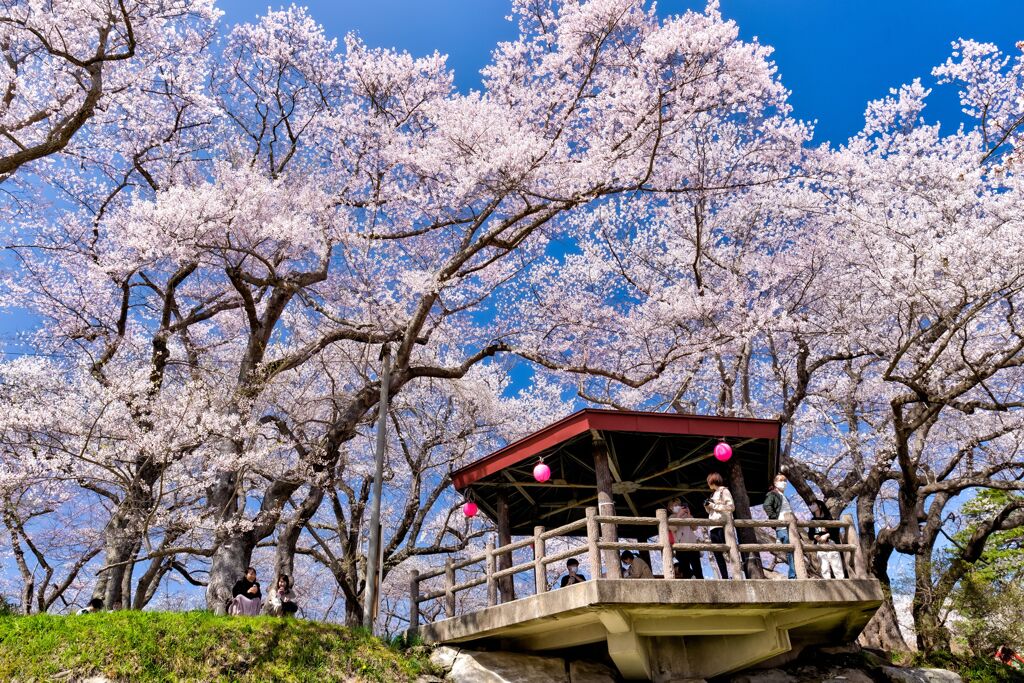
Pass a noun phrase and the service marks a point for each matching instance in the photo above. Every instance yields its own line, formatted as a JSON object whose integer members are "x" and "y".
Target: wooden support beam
{"x": 606, "y": 506}
{"x": 512, "y": 480}
{"x": 506, "y": 587}
{"x": 613, "y": 467}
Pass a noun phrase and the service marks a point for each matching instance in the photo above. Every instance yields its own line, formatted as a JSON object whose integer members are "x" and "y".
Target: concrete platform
{"x": 673, "y": 630}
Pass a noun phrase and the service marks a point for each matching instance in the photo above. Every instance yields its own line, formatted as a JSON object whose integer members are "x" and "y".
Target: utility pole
{"x": 373, "y": 553}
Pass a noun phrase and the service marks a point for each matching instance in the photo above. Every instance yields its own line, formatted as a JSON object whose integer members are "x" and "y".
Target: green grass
{"x": 973, "y": 669}
{"x": 196, "y": 646}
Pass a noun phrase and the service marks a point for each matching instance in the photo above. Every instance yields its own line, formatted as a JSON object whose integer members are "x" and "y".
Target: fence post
{"x": 666, "y": 544}
{"x": 449, "y": 585}
{"x": 492, "y": 584}
{"x": 414, "y": 600}
{"x": 735, "y": 565}
{"x": 593, "y": 534}
{"x": 860, "y": 569}
{"x": 799, "y": 563}
{"x": 540, "y": 575}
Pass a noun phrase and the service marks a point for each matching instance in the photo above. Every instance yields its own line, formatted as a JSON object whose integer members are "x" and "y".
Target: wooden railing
{"x": 593, "y": 523}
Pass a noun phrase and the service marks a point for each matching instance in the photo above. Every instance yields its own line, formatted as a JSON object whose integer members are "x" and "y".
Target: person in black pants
{"x": 717, "y": 505}
{"x": 689, "y": 560}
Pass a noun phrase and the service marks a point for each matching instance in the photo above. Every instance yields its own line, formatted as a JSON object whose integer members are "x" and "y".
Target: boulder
{"x": 765, "y": 676}
{"x": 591, "y": 672}
{"x": 901, "y": 675}
{"x": 467, "y": 666}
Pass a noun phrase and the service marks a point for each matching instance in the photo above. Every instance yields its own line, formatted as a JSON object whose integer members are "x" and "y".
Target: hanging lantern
{"x": 723, "y": 451}
{"x": 541, "y": 472}
{"x": 470, "y": 509}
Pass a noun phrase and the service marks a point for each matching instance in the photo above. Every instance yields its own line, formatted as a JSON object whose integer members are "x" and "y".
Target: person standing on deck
{"x": 573, "y": 575}
{"x": 831, "y": 562}
{"x": 689, "y": 560}
{"x": 776, "y": 505}
{"x": 717, "y": 505}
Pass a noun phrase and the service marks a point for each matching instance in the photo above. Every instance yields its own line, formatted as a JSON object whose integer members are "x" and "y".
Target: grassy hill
{"x": 195, "y": 646}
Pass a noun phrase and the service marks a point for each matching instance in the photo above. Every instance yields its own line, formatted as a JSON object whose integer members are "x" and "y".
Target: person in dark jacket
{"x": 831, "y": 562}
{"x": 573, "y": 575}
{"x": 95, "y": 605}
{"x": 776, "y": 504}
{"x": 247, "y": 598}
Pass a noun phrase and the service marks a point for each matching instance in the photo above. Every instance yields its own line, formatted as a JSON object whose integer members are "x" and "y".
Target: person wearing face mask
{"x": 776, "y": 504}
{"x": 689, "y": 560}
{"x": 573, "y": 575}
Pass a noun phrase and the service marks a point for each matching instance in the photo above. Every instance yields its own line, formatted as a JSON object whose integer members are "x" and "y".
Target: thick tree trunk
{"x": 932, "y": 635}
{"x": 883, "y": 631}
{"x": 284, "y": 559}
{"x": 230, "y": 558}
{"x": 752, "y": 566}
{"x": 119, "y": 548}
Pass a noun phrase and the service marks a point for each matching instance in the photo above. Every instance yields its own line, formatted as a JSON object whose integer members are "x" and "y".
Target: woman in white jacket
{"x": 719, "y": 503}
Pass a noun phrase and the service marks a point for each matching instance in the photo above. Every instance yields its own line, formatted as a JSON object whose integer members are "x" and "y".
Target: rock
{"x": 848, "y": 649}
{"x": 846, "y": 676}
{"x": 504, "y": 667}
{"x": 901, "y": 675}
{"x": 764, "y": 676}
{"x": 444, "y": 657}
{"x": 590, "y": 672}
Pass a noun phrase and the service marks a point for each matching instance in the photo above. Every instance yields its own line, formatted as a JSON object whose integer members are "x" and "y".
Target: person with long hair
{"x": 831, "y": 562}
{"x": 717, "y": 506}
{"x": 281, "y": 599}
{"x": 247, "y": 598}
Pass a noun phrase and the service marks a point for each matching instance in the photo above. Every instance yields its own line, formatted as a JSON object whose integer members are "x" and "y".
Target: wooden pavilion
{"x": 629, "y": 461}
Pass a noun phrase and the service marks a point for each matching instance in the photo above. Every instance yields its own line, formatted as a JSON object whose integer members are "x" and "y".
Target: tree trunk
{"x": 118, "y": 551}
{"x": 230, "y": 558}
{"x": 883, "y": 631}
{"x": 738, "y": 487}
{"x": 284, "y": 559}
{"x": 932, "y": 635}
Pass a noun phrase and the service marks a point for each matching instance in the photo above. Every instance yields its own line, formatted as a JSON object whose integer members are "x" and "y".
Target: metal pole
{"x": 373, "y": 552}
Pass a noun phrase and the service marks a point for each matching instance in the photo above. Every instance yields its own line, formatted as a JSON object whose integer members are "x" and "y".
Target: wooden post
{"x": 606, "y": 506}
{"x": 506, "y": 585}
{"x": 593, "y": 534}
{"x": 492, "y": 585}
{"x": 735, "y": 565}
{"x": 666, "y": 545}
{"x": 799, "y": 563}
{"x": 860, "y": 570}
{"x": 414, "y": 600}
{"x": 449, "y": 585}
{"x": 540, "y": 575}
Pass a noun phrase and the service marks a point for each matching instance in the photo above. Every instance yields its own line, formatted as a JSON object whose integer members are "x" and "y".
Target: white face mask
{"x": 780, "y": 485}
{"x": 676, "y": 509}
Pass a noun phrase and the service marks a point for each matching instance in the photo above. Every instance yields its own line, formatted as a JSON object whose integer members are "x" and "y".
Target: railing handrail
{"x": 596, "y": 543}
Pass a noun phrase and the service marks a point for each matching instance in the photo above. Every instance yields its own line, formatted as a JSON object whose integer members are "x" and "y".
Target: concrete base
{"x": 673, "y": 630}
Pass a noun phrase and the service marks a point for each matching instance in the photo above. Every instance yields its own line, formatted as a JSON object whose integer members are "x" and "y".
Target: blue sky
{"x": 834, "y": 56}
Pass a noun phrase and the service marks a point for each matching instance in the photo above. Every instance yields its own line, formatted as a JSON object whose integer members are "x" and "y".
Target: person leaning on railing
{"x": 689, "y": 560}
{"x": 636, "y": 568}
{"x": 776, "y": 504}
{"x": 830, "y": 560}
{"x": 717, "y": 505}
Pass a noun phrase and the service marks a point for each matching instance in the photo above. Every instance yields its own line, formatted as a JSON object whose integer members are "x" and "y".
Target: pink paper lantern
{"x": 470, "y": 509}
{"x": 723, "y": 451}
{"x": 541, "y": 472}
